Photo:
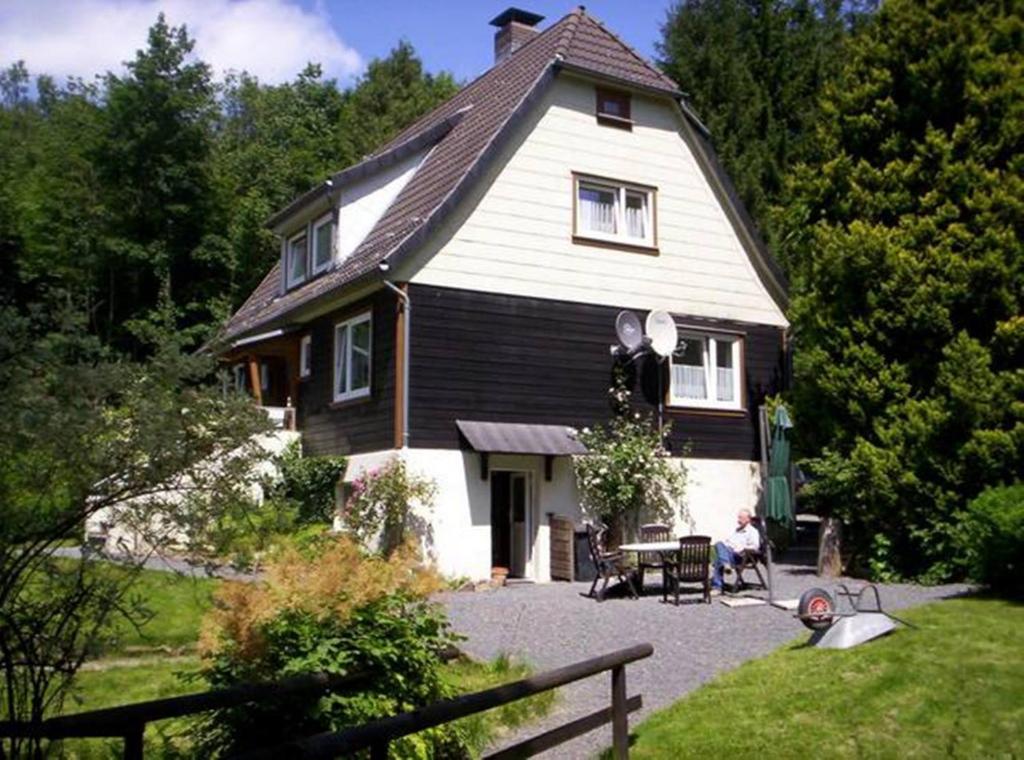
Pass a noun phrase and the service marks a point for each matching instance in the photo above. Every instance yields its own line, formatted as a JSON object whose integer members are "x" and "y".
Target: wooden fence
{"x": 129, "y": 721}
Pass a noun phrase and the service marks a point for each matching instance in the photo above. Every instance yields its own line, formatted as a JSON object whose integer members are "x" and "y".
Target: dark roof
{"x": 468, "y": 129}
{"x": 515, "y": 438}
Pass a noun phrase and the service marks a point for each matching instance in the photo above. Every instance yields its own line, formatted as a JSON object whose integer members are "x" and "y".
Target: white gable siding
{"x": 514, "y": 234}
{"x": 364, "y": 202}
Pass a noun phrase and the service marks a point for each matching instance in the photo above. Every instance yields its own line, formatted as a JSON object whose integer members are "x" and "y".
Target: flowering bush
{"x": 628, "y": 477}
{"x": 329, "y": 608}
{"x": 380, "y": 505}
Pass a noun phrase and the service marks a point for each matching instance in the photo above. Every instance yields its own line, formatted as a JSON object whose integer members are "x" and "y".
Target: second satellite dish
{"x": 662, "y": 332}
{"x": 629, "y": 330}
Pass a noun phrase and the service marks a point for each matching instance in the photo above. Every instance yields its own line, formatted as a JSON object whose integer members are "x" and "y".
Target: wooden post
{"x": 620, "y": 714}
{"x": 254, "y": 380}
{"x": 133, "y": 740}
{"x": 830, "y": 563}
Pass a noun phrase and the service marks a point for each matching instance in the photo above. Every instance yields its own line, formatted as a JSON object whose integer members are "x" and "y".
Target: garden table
{"x": 660, "y": 547}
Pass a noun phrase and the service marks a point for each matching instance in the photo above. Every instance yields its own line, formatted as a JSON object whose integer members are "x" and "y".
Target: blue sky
{"x": 275, "y": 38}
{"x": 455, "y": 35}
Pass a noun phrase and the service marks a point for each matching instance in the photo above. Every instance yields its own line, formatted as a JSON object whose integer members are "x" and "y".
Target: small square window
{"x": 614, "y": 108}
{"x": 305, "y": 356}
{"x": 703, "y": 372}
{"x": 616, "y": 213}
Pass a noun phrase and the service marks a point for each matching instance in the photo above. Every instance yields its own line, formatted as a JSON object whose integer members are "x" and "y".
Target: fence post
{"x": 620, "y": 719}
{"x": 133, "y": 741}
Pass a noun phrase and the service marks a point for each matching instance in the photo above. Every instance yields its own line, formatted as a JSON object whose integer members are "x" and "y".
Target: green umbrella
{"x": 779, "y": 503}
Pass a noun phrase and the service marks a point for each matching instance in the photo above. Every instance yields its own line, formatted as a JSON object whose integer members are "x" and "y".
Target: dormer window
{"x": 296, "y": 264}
{"x": 323, "y": 244}
{"x": 613, "y": 108}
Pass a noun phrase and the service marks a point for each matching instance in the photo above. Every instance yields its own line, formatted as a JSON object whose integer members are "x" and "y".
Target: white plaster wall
{"x": 513, "y": 235}
{"x": 460, "y": 519}
{"x": 363, "y": 203}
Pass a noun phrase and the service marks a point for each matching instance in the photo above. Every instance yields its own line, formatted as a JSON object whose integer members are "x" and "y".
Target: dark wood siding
{"x": 482, "y": 356}
{"x": 360, "y": 425}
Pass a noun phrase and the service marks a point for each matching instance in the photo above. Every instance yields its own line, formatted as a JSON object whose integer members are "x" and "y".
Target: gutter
{"x": 407, "y": 306}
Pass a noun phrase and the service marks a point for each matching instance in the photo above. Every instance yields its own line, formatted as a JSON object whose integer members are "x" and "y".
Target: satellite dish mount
{"x": 659, "y": 337}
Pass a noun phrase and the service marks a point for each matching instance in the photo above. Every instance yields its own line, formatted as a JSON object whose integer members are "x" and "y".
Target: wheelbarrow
{"x": 841, "y": 629}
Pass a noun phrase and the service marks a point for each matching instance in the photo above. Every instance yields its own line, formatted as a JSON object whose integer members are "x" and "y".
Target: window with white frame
{"x": 352, "y": 347}
{"x": 615, "y": 212}
{"x": 296, "y": 264}
{"x": 706, "y": 371}
{"x": 305, "y": 356}
{"x": 323, "y": 248}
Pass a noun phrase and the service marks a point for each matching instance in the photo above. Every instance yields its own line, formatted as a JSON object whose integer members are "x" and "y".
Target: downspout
{"x": 407, "y": 307}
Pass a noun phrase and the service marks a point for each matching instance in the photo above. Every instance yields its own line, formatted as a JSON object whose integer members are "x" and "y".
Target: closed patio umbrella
{"x": 779, "y": 502}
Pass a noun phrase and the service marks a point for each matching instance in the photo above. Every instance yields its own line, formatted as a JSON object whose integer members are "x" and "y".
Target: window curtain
{"x": 725, "y": 383}
{"x": 636, "y": 215}
{"x": 689, "y": 381}
{"x": 340, "y": 363}
{"x": 597, "y": 210}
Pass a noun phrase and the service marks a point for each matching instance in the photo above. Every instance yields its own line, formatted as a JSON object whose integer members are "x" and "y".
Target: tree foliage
{"x": 156, "y": 182}
{"x": 904, "y": 238}
{"x": 753, "y": 69}
{"x": 85, "y": 431}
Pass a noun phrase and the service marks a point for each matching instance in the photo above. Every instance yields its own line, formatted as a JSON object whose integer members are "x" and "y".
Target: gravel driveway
{"x": 550, "y": 625}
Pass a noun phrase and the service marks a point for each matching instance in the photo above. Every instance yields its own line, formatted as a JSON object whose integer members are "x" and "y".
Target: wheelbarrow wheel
{"x": 816, "y": 609}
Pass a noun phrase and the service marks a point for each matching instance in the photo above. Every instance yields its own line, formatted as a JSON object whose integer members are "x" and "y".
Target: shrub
{"x": 381, "y": 505}
{"x": 627, "y": 477}
{"x": 329, "y": 608}
{"x": 991, "y": 537}
{"x": 309, "y": 482}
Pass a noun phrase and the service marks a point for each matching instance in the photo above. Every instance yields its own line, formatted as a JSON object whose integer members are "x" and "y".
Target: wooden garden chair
{"x": 650, "y": 533}
{"x": 752, "y": 559}
{"x": 608, "y": 564}
{"x": 691, "y": 565}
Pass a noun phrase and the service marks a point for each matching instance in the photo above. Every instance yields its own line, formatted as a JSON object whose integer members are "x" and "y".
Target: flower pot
{"x": 499, "y": 575}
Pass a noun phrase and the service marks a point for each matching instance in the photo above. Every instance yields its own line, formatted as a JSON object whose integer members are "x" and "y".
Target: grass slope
{"x": 952, "y": 687}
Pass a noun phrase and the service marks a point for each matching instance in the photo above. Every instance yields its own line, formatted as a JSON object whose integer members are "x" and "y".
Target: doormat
{"x": 742, "y": 601}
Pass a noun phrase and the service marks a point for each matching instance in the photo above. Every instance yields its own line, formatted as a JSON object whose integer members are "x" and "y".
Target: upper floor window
{"x": 323, "y": 239}
{"x": 615, "y": 212}
{"x": 352, "y": 347}
{"x": 305, "y": 356}
{"x": 614, "y": 108}
{"x": 296, "y": 261}
{"x": 706, "y": 371}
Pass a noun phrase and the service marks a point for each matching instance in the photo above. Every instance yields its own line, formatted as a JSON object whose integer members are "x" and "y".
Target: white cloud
{"x": 273, "y": 39}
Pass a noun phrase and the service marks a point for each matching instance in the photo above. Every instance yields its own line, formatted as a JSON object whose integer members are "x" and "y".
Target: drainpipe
{"x": 407, "y": 306}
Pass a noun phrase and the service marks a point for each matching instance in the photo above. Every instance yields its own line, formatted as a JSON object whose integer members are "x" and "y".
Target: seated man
{"x": 745, "y": 537}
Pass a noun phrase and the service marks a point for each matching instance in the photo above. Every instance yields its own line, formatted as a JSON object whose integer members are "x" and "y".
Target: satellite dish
{"x": 662, "y": 332}
{"x": 629, "y": 330}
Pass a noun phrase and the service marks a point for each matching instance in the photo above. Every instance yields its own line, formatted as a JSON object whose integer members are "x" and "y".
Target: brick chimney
{"x": 515, "y": 28}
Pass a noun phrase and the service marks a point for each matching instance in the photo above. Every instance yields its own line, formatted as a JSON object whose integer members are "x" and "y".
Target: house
{"x": 453, "y": 297}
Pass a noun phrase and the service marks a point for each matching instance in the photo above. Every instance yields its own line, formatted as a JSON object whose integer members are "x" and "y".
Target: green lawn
{"x": 139, "y": 668}
{"x": 952, "y": 687}
{"x": 177, "y": 605}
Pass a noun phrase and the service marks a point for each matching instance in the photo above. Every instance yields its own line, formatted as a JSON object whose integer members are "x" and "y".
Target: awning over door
{"x": 513, "y": 438}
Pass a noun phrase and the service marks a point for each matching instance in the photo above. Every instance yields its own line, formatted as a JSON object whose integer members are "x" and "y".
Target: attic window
{"x": 613, "y": 108}
{"x": 297, "y": 260}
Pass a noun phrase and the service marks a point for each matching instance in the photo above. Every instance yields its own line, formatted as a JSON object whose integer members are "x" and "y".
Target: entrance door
{"x": 510, "y": 522}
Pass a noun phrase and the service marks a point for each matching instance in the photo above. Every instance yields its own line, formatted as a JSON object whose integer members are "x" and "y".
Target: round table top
{"x": 653, "y": 546}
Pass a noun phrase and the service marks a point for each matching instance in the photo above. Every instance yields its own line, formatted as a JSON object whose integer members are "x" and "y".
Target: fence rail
{"x": 377, "y": 735}
{"x": 129, "y": 721}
